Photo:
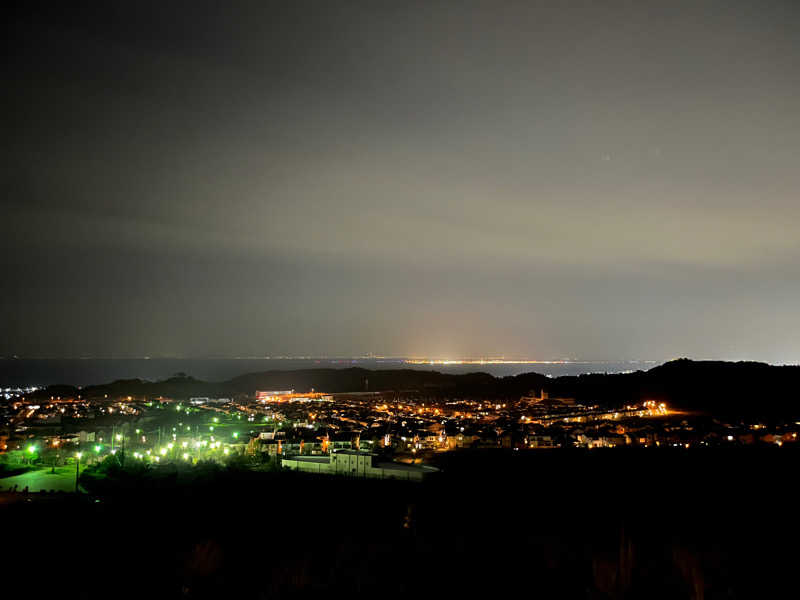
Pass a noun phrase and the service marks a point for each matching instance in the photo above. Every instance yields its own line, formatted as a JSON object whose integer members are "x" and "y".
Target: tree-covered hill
{"x": 748, "y": 389}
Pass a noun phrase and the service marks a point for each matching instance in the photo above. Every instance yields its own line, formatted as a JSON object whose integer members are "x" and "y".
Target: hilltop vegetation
{"x": 746, "y": 389}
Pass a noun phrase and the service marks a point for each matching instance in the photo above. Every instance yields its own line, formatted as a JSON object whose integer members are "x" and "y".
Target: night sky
{"x": 598, "y": 180}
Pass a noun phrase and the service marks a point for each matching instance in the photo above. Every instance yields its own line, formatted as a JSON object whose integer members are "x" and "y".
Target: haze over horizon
{"x": 418, "y": 359}
{"x": 532, "y": 179}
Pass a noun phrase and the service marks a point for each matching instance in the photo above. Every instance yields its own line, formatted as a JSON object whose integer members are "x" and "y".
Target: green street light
{"x": 98, "y": 448}
{"x": 211, "y": 428}
{"x": 32, "y": 449}
{"x": 236, "y": 434}
{"x": 119, "y": 437}
{"x": 77, "y": 470}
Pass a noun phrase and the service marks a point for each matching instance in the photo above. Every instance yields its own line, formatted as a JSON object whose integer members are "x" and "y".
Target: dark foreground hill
{"x": 731, "y": 389}
{"x": 606, "y": 524}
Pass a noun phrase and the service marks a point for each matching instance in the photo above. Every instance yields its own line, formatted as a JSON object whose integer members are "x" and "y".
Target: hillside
{"x": 722, "y": 388}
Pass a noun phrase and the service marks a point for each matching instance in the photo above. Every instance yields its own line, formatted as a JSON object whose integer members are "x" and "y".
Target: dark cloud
{"x": 602, "y": 180}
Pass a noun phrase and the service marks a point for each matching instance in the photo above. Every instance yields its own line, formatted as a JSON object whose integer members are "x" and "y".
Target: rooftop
{"x": 310, "y": 459}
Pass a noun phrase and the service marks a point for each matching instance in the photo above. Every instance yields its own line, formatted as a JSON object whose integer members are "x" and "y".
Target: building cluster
{"x": 307, "y": 431}
{"x": 410, "y": 424}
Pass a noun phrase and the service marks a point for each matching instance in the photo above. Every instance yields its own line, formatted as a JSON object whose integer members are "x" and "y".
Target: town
{"x": 367, "y": 434}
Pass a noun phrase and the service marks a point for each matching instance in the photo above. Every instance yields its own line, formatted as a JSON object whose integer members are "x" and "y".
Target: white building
{"x": 356, "y": 463}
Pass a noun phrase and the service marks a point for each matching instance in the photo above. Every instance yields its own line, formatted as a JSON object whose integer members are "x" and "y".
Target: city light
{"x": 412, "y": 428}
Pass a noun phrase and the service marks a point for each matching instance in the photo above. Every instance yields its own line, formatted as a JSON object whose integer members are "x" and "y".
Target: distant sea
{"x": 23, "y": 372}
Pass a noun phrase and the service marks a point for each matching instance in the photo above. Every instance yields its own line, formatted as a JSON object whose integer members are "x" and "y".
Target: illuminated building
{"x": 272, "y": 396}
{"x": 290, "y": 396}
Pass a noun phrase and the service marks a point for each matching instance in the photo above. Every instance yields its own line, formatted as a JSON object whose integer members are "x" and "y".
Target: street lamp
{"x": 77, "y": 469}
{"x": 32, "y": 452}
